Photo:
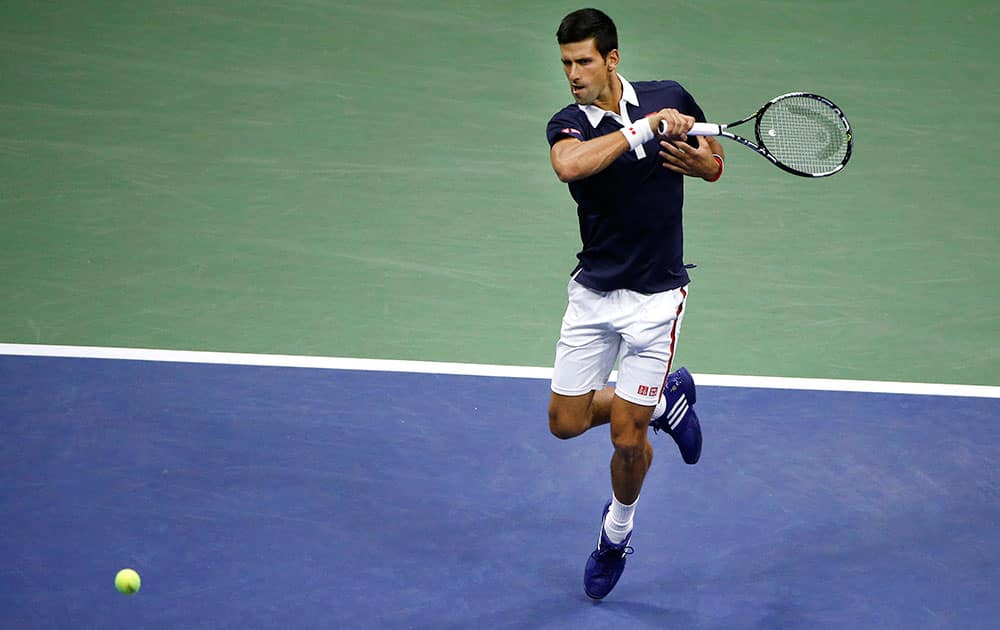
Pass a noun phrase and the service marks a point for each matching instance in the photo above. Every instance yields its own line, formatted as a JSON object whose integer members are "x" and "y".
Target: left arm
{"x": 682, "y": 158}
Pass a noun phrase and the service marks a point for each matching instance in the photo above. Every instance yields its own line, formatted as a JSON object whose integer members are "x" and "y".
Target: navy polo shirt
{"x": 630, "y": 213}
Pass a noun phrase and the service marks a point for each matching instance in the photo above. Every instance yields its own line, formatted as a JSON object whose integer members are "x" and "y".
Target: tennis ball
{"x": 127, "y": 581}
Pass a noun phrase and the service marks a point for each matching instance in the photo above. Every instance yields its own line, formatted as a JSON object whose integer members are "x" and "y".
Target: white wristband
{"x": 638, "y": 133}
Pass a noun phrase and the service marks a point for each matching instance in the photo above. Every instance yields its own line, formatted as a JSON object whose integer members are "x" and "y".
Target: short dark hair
{"x": 583, "y": 24}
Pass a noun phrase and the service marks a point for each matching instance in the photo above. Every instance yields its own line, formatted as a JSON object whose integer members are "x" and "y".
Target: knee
{"x": 633, "y": 448}
{"x": 563, "y": 425}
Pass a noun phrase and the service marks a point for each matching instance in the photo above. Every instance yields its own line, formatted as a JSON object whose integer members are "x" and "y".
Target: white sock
{"x": 661, "y": 407}
{"x": 618, "y": 522}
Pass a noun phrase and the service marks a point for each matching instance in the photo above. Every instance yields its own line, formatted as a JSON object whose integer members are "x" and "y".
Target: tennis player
{"x": 628, "y": 291}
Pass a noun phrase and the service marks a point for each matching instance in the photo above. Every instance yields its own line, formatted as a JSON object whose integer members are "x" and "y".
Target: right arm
{"x": 574, "y": 159}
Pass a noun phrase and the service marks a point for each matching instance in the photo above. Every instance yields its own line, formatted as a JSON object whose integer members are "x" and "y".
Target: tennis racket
{"x": 804, "y": 134}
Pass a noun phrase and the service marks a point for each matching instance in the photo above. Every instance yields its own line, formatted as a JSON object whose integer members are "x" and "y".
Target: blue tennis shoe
{"x": 606, "y": 563}
{"x": 680, "y": 421}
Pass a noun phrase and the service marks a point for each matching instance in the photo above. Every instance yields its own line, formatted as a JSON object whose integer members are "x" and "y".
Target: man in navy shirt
{"x": 628, "y": 290}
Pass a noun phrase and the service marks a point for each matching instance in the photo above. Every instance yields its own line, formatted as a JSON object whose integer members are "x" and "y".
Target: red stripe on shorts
{"x": 673, "y": 341}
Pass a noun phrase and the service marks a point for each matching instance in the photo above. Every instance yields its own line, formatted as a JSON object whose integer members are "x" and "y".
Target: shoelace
{"x": 598, "y": 554}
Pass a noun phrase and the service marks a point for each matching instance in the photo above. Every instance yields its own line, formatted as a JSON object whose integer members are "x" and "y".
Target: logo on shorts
{"x": 645, "y": 390}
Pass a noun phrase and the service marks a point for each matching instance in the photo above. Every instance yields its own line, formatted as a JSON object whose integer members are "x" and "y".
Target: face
{"x": 588, "y": 73}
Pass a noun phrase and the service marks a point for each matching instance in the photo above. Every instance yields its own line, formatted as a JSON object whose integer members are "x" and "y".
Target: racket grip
{"x": 705, "y": 129}
{"x": 698, "y": 129}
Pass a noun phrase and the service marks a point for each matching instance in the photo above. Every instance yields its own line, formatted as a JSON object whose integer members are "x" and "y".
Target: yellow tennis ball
{"x": 127, "y": 581}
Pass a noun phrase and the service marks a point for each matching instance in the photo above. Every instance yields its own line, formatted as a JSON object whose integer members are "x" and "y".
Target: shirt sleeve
{"x": 693, "y": 108}
{"x": 564, "y": 126}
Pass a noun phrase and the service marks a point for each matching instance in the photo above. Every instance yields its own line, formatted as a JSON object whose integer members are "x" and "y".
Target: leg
{"x": 647, "y": 324}
{"x": 632, "y": 457}
{"x": 633, "y": 453}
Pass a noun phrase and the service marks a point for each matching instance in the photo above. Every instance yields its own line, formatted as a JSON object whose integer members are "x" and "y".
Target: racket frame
{"x": 760, "y": 147}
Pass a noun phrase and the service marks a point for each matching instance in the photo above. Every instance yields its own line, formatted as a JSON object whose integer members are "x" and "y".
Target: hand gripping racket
{"x": 804, "y": 134}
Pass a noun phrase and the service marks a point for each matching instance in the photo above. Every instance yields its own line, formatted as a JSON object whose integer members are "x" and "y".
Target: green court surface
{"x": 371, "y": 179}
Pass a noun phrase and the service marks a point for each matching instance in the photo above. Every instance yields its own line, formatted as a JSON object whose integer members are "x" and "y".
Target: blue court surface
{"x": 264, "y": 497}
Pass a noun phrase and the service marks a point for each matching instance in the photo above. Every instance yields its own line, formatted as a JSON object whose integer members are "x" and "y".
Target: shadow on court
{"x": 268, "y": 497}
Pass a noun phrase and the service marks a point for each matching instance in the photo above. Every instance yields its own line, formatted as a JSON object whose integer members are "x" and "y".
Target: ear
{"x": 612, "y": 60}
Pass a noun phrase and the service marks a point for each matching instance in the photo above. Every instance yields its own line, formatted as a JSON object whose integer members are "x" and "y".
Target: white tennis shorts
{"x": 638, "y": 330}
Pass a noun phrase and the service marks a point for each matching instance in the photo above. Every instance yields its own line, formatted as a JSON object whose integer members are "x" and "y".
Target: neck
{"x": 610, "y": 99}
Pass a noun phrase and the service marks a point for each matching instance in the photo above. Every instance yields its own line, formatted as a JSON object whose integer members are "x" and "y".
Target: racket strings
{"x": 804, "y": 134}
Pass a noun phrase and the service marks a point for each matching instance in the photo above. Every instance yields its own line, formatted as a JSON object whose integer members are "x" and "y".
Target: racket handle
{"x": 698, "y": 129}
{"x": 705, "y": 129}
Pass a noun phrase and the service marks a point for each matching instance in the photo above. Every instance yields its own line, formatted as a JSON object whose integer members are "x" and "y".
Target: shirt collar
{"x": 595, "y": 114}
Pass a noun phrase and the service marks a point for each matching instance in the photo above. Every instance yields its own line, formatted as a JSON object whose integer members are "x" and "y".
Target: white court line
{"x": 474, "y": 369}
